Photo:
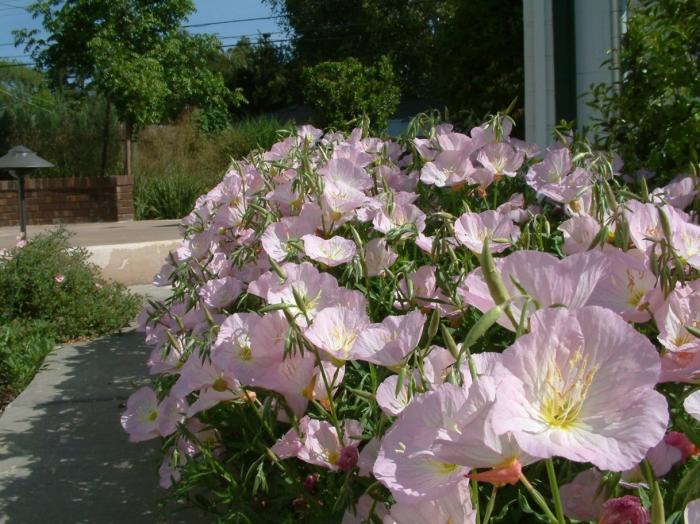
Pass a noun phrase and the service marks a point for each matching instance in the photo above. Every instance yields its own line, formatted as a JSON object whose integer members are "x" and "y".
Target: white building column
{"x": 539, "y": 71}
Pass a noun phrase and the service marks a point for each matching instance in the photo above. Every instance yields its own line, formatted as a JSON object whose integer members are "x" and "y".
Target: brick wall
{"x": 68, "y": 200}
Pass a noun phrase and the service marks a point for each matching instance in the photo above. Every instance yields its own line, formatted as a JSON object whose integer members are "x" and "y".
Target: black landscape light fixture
{"x": 21, "y": 161}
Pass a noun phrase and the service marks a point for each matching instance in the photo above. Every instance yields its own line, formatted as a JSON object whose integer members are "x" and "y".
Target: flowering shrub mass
{"x": 448, "y": 328}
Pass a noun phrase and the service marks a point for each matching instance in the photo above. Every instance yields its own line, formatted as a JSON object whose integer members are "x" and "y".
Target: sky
{"x": 12, "y": 16}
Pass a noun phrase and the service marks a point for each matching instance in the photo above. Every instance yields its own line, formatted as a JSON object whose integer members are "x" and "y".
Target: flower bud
{"x": 624, "y": 510}
{"x": 348, "y": 458}
{"x": 683, "y": 443}
{"x": 310, "y": 481}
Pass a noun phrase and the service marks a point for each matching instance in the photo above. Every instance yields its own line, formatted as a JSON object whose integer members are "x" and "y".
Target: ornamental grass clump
{"x": 448, "y": 327}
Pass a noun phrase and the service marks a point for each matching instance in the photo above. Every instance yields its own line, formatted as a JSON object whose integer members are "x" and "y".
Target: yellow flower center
{"x": 219, "y": 385}
{"x": 245, "y": 353}
{"x": 333, "y": 457}
{"x": 563, "y": 396}
{"x": 152, "y": 415}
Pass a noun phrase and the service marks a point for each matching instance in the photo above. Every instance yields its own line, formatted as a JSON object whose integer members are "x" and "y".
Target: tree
{"x": 332, "y": 30}
{"x": 653, "y": 115}
{"x": 260, "y": 70}
{"x": 466, "y": 55}
{"x": 346, "y": 90}
{"x": 134, "y": 52}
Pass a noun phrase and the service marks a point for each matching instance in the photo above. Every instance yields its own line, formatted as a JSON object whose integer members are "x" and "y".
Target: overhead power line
{"x": 235, "y": 20}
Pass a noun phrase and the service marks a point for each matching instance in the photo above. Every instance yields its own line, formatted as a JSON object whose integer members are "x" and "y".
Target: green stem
{"x": 490, "y": 505}
{"x": 473, "y": 484}
{"x": 554, "y": 487}
{"x": 539, "y": 499}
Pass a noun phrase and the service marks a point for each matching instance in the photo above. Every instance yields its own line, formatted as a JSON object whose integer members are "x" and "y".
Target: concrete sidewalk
{"x": 64, "y": 457}
{"x": 103, "y": 233}
{"x": 128, "y": 252}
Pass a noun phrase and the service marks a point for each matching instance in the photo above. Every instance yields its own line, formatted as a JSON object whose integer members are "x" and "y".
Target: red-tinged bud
{"x": 348, "y": 458}
{"x": 310, "y": 481}
{"x": 508, "y": 473}
{"x": 683, "y": 443}
{"x": 624, "y": 510}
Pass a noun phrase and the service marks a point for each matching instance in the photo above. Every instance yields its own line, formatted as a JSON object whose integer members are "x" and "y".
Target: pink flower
{"x": 681, "y": 366}
{"x": 145, "y": 418}
{"x": 368, "y": 456}
{"x": 454, "y": 507}
{"x": 579, "y": 233}
{"x": 556, "y": 165}
{"x": 469, "y": 438}
{"x": 686, "y": 239}
{"x": 338, "y": 202}
{"x": 335, "y": 331}
{"x": 320, "y": 443}
{"x": 629, "y": 287}
{"x": 569, "y": 188}
{"x": 691, "y": 515}
{"x": 426, "y": 292}
{"x": 627, "y": 509}
{"x": 388, "y": 343}
{"x": 332, "y": 252}
{"x": 679, "y": 193}
{"x": 501, "y": 159}
{"x": 293, "y": 378}
{"x": 220, "y": 292}
{"x": 391, "y": 402}
{"x": 59, "y": 278}
{"x": 291, "y": 442}
{"x": 400, "y": 212}
{"x": 692, "y": 405}
{"x": 168, "y": 471}
{"x": 580, "y": 385}
{"x": 378, "y": 257}
{"x": 247, "y": 345}
{"x": 471, "y": 229}
{"x": 341, "y": 171}
{"x": 681, "y": 309}
{"x": 214, "y": 384}
{"x": 645, "y": 224}
{"x": 583, "y": 498}
{"x": 364, "y": 511}
{"x": 406, "y": 463}
{"x": 548, "y": 280}
{"x": 277, "y": 236}
{"x": 316, "y": 290}
{"x": 450, "y": 168}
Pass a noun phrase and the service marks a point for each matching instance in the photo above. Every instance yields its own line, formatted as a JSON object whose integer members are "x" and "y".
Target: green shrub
{"x": 653, "y": 119}
{"x": 342, "y": 91}
{"x": 49, "y": 280}
{"x": 23, "y": 346}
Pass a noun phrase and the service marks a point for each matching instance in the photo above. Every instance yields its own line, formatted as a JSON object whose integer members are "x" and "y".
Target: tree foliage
{"x": 342, "y": 91}
{"x": 260, "y": 70}
{"x": 134, "y": 52}
{"x": 653, "y": 116}
{"x": 463, "y": 55}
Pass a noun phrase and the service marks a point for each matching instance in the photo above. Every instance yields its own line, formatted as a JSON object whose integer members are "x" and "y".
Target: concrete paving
{"x": 128, "y": 252}
{"x": 103, "y": 233}
{"x": 64, "y": 457}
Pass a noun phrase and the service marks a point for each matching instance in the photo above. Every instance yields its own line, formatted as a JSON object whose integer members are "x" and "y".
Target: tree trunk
{"x": 128, "y": 134}
{"x": 105, "y": 140}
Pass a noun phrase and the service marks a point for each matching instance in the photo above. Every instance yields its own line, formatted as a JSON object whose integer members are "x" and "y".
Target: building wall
{"x": 68, "y": 200}
{"x": 598, "y": 29}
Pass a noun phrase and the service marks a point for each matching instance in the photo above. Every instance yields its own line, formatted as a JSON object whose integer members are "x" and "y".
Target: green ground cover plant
{"x": 52, "y": 293}
{"x": 23, "y": 346}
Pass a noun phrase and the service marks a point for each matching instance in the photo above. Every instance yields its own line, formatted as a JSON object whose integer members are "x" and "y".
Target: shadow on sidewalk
{"x": 63, "y": 454}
